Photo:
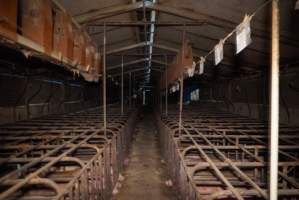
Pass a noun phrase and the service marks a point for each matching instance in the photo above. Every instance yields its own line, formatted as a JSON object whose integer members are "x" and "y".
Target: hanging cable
{"x": 235, "y": 30}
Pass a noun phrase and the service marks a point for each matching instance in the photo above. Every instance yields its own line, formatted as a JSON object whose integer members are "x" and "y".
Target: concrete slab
{"x": 145, "y": 177}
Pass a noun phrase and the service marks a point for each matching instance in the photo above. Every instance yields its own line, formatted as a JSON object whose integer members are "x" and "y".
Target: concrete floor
{"x": 145, "y": 175}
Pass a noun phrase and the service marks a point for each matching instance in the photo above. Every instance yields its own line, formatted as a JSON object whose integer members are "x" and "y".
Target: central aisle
{"x": 145, "y": 175}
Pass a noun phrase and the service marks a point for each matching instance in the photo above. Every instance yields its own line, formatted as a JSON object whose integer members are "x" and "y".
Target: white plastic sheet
{"x": 191, "y": 70}
{"x": 194, "y": 96}
{"x": 177, "y": 87}
{"x": 201, "y": 65}
{"x": 173, "y": 88}
{"x": 243, "y": 34}
{"x": 218, "y": 51}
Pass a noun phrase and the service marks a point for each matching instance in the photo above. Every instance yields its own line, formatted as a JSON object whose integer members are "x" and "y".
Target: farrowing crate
{"x": 219, "y": 155}
{"x": 64, "y": 157}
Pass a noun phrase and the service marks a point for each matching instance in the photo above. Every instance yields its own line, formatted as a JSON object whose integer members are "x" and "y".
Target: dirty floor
{"x": 145, "y": 175}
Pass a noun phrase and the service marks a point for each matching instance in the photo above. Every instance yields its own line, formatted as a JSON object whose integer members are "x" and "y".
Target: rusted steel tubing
{"x": 216, "y": 170}
{"x": 281, "y": 192}
{"x": 36, "y": 173}
{"x": 225, "y": 159}
{"x": 78, "y": 175}
{"x": 106, "y": 158}
{"x": 41, "y": 158}
{"x": 35, "y": 181}
{"x": 240, "y": 141}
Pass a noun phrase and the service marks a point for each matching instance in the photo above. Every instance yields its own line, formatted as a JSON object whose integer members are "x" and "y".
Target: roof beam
{"x": 260, "y": 30}
{"x": 142, "y": 44}
{"x": 129, "y": 71}
{"x": 135, "y": 70}
{"x": 125, "y": 48}
{"x": 102, "y": 13}
{"x": 126, "y": 64}
{"x": 143, "y": 23}
{"x": 135, "y": 62}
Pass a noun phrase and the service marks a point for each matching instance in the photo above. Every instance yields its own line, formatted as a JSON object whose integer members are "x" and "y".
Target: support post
{"x": 166, "y": 88}
{"x": 274, "y": 103}
{"x": 182, "y": 83}
{"x": 104, "y": 80}
{"x": 161, "y": 94}
{"x": 181, "y": 103}
{"x": 122, "y": 85}
{"x": 130, "y": 89}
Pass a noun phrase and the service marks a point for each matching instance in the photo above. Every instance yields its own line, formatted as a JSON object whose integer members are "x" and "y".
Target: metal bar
{"x": 142, "y": 44}
{"x": 104, "y": 80}
{"x": 51, "y": 141}
{"x": 98, "y": 14}
{"x": 134, "y": 62}
{"x": 181, "y": 84}
{"x": 122, "y": 85}
{"x": 161, "y": 94}
{"x": 274, "y": 103}
{"x": 130, "y": 89}
{"x": 156, "y": 23}
{"x": 222, "y": 150}
{"x": 166, "y": 88}
{"x": 181, "y": 103}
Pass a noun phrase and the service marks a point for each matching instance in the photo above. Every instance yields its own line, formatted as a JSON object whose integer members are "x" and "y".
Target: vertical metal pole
{"x": 182, "y": 83}
{"x": 122, "y": 84}
{"x": 183, "y": 42}
{"x": 130, "y": 89}
{"x": 104, "y": 80}
{"x": 274, "y": 103}
{"x": 161, "y": 93}
{"x": 143, "y": 97}
{"x": 181, "y": 102}
{"x": 166, "y": 88}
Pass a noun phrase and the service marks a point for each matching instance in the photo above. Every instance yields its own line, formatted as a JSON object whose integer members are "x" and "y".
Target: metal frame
{"x": 219, "y": 155}
{"x": 64, "y": 157}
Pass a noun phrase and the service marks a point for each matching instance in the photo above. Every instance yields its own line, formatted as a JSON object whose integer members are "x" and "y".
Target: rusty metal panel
{"x": 8, "y": 18}
{"x": 63, "y": 35}
{"x": 79, "y": 47}
{"x": 90, "y": 54}
{"x": 97, "y": 63}
{"x": 180, "y": 65}
{"x": 37, "y": 22}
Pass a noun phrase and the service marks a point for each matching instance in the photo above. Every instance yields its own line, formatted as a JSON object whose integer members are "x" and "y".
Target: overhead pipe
{"x": 274, "y": 103}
